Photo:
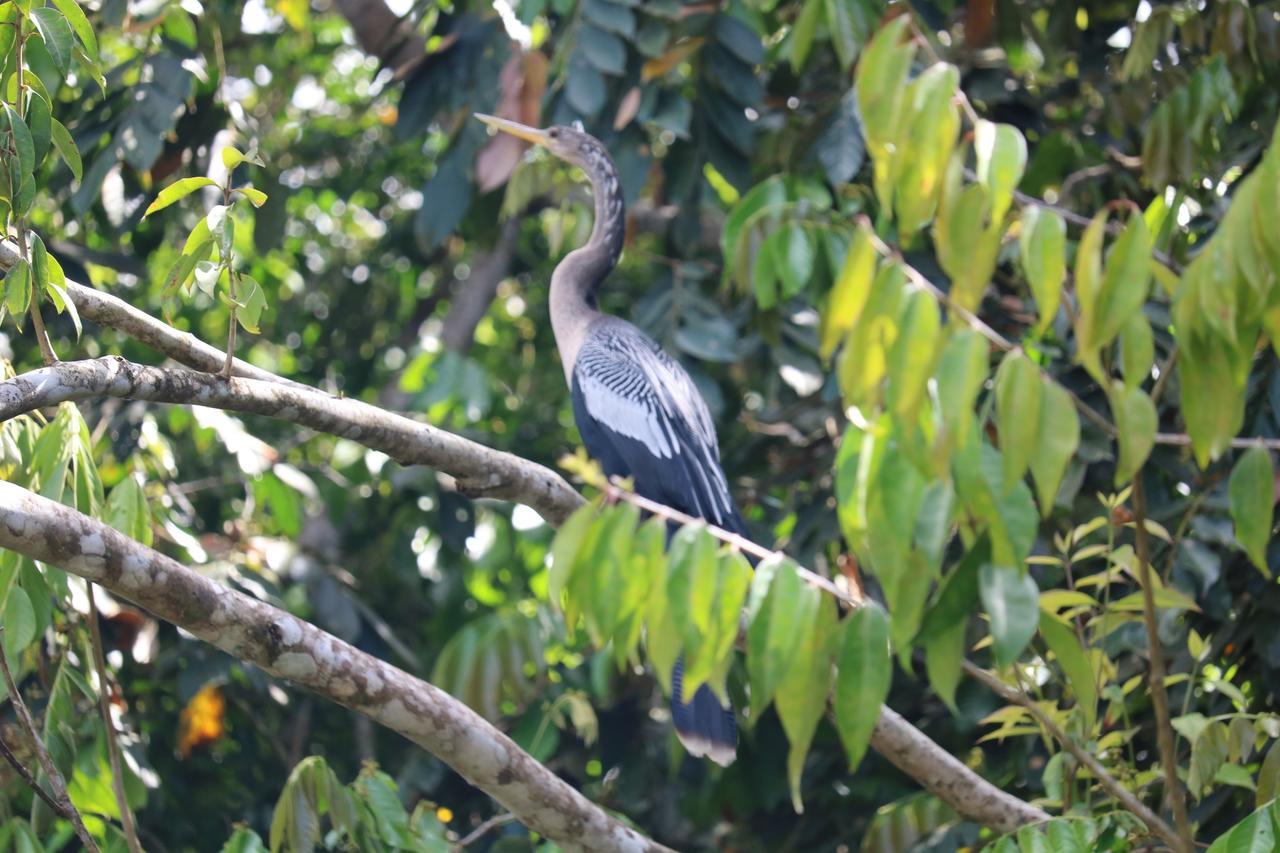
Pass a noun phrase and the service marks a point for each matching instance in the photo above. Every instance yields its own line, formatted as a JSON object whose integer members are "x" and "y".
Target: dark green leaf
{"x": 1252, "y": 491}
{"x": 56, "y": 34}
{"x": 17, "y": 290}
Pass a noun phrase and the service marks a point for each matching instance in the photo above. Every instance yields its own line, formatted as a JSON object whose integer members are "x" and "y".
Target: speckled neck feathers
{"x": 578, "y": 276}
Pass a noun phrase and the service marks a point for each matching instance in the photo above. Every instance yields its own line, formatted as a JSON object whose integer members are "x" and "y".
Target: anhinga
{"x": 639, "y": 413}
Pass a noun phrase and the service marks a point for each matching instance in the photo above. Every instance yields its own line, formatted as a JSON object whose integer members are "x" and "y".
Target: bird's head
{"x": 570, "y": 144}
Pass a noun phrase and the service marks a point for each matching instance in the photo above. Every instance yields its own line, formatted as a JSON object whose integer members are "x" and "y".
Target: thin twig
{"x": 742, "y": 543}
{"x": 22, "y": 771}
{"x": 1082, "y": 755}
{"x": 480, "y": 831}
{"x": 1173, "y": 791}
{"x": 976, "y": 323}
{"x": 113, "y": 745}
{"x": 42, "y": 753}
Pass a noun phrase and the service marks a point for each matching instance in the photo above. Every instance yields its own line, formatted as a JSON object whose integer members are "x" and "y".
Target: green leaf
{"x": 793, "y": 256}
{"x": 1269, "y": 775}
{"x": 1011, "y": 599}
{"x": 22, "y": 141}
{"x": 1057, "y": 438}
{"x": 39, "y": 262}
{"x": 1018, "y": 393}
{"x": 962, "y": 371}
{"x": 1066, "y": 647}
{"x": 1001, "y": 152}
{"x": 19, "y": 621}
{"x": 67, "y": 148}
{"x": 864, "y": 675}
{"x": 83, "y": 29}
{"x": 1137, "y": 350}
{"x": 850, "y": 22}
{"x": 850, "y": 292}
{"x": 802, "y": 33}
{"x": 254, "y": 301}
{"x": 1088, "y": 282}
{"x": 126, "y": 510}
{"x": 257, "y": 197}
{"x": 911, "y": 359}
{"x": 776, "y": 634}
{"x": 943, "y": 657}
{"x": 802, "y": 694}
{"x": 17, "y": 290}
{"x": 1126, "y": 282}
{"x": 1255, "y": 834}
{"x": 41, "y": 123}
{"x": 1043, "y": 245}
{"x": 565, "y": 548}
{"x": 1208, "y": 753}
{"x": 56, "y": 34}
{"x": 1252, "y": 491}
{"x": 176, "y": 191}
{"x": 1136, "y": 422}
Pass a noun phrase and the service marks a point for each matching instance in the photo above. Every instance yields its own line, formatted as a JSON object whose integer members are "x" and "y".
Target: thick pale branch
{"x": 297, "y": 651}
{"x": 479, "y": 470}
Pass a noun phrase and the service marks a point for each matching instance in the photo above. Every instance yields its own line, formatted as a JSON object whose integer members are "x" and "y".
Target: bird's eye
{"x": 553, "y": 133}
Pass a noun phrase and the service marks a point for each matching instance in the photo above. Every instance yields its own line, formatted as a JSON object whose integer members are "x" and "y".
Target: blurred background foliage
{"x": 405, "y": 257}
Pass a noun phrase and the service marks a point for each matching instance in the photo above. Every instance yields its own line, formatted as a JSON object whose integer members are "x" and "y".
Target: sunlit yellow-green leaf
{"x": 1043, "y": 242}
{"x": 1018, "y": 396}
{"x": 849, "y": 293}
{"x": 801, "y": 699}
{"x": 1001, "y": 152}
{"x": 1057, "y": 437}
{"x": 175, "y": 191}
{"x": 1136, "y": 423}
{"x": 864, "y": 674}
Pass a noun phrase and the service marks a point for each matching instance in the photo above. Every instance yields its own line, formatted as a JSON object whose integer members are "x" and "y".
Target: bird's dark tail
{"x": 704, "y": 726}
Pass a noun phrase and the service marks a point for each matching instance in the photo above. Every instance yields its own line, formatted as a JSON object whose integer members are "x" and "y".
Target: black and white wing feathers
{"x": 641, "y": 416}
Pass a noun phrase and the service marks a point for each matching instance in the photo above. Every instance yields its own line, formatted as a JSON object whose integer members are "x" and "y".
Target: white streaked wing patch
{"x": 627, "y": 416}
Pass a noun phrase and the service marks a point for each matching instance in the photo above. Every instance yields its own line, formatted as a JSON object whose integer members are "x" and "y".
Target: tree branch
{"x": 183, "y": 347}
{"x": 905, "y": 746}
{"x": 1113, "y": 787}
{"x": 472, "y": 297}
{"x": 1173, "y": 792}
{"x": 479, "y": 470}
{"x": 477, "y": 467}
{"x": 290, "y": 648}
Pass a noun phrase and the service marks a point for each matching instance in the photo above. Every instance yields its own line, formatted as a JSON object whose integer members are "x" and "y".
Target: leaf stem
{"x": 113, "y": 746}
{"x": 1173, "y": 791}
{"x": 1082, "y": 755}
{"x": 66, "y": 809}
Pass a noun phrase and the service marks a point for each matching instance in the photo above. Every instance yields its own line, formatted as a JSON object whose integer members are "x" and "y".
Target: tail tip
{"x": 700, "y": 746}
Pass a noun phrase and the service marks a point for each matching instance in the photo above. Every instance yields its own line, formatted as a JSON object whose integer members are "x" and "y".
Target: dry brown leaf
{"x": 673, "y": 57}
{"x": 522, "y": 81}
{"x": 627, "y": 109}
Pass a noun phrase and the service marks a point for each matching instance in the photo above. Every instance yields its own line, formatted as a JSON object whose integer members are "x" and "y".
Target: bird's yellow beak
{"x": 515, "y": 128}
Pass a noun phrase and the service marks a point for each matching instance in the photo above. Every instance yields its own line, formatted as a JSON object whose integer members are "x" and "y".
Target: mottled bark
{"x": 947, "y": 778}
{"x": 479, "y": 470}
{"x": 301, "y": 653}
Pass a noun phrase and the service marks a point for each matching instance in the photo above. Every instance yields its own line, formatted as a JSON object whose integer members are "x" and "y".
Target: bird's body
{"x": 638, "y": 411}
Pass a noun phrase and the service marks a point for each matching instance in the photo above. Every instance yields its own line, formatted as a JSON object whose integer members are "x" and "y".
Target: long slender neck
{"x": 578, "y": 276}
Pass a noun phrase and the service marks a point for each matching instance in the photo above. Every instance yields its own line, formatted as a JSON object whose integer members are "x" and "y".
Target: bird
{"x": 638, "y": 411}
